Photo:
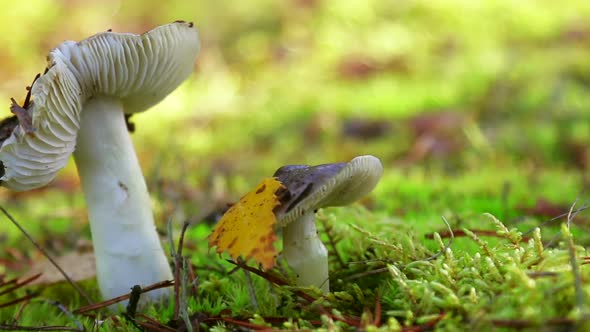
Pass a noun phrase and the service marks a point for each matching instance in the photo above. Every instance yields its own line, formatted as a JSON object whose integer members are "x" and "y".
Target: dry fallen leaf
{"x": 247, "y": 228}
{"x": 78, "y": 266}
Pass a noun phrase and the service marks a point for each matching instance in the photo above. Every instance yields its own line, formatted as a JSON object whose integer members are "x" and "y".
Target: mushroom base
{"x": 126, "y": 245}
{"x": 305, "y": 253}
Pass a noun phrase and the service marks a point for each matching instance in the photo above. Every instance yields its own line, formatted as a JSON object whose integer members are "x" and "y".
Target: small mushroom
{"x": 312, "y": 188}
{"x": 78, "y": 106}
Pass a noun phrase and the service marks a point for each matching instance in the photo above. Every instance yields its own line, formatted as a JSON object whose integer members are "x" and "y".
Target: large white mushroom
{"x": 78, "y": 106}
{"x": 312, "y": 188}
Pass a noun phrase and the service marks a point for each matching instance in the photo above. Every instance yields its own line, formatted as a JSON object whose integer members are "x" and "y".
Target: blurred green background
{"x": 473, "y": 106}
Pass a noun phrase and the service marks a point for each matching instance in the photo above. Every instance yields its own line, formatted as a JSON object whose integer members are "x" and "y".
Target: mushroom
{"x": 79, "y": 106}
{"x": 312, "y": 188}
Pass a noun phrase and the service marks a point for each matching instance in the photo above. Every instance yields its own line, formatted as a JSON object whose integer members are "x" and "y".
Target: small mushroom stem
{"x": 126, "y": 245}
{"x": 305, "y": 253}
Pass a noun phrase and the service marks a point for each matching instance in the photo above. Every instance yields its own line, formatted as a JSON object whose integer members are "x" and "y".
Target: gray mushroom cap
{"x": 138, "y": 70}
{"x": 314, "y": 187}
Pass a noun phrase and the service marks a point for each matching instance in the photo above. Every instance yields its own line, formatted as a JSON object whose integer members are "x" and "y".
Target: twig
{"x": 153, "y": 325}
{"x": 352, "y": 321}
{"x": 573, "y": 214}
{"x": 46, "y": 254}
{"x": 36, "y": 328}
{"x": 428, "y": 326}
{"x": 8, "y": 282}
{"x": 365, "y": 274}
{"x": 19, "y": 284}
{"x": 66, "y": 312}
{"x": 20, "y": 310}
{"x": 18, "y": 300}
{"x": 247, "y": 325}
{"x": 575, "y": 268}
{"x": 194, "y": 280}
{"x": 377, "y": 319}
{"x": 134, "y": 297}
{"x": 274, "y": 279}
{"x": 183, "y": 310}
{"x": 251, "y": 290}
{"x": 583, "y": 208}
{"x": 158, "y": 285}
{"x": 177, "y": 264}
{"x": 442, "y": 251}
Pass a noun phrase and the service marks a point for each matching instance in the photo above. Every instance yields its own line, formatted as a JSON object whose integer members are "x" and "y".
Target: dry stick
{"x": 91, "y": 307}
{"x": 251, "y": 290}
{"x": 66, "y": 312}
{"x": 247, "y": 325}
{"x": 377, "y": 320}
{"x": 575, "y": 267}
{"x": 442, "y": 251}
{"x": 20, "y": 310}
{"x": 183, "y": 311}
{"x": 20, "y": 299}
{"x": 365, "y": 274}
{"x": 151, "y": 324}
{"x": 131, "y": 309}
{"x": 274, "y": 279}
{"x": 194, "y": 281}
{"x": 8, "y": 282}
{"x": 571, "y": 214}
{"x": 18, "y": 285}
{"x": 134, "y": 297}
{"x": 177, "y": 263}
{"x": 36, "y": 328}
{"x": 46, "y": 254}
{"x": 583, "y": 208}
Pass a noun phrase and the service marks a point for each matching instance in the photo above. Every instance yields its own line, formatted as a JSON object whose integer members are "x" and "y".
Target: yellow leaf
{"x": 247, "y": 228}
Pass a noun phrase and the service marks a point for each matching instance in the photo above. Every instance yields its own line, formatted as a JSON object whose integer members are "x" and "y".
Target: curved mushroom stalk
{"x": 311, "y": 188}
{"x": 305, "y": 253}
{"x": 126, "y": 245}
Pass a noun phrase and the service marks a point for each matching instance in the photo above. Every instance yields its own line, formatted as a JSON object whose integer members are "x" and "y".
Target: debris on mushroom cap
{"x": 314, "y": 187}
{"x": 140, "y": 70}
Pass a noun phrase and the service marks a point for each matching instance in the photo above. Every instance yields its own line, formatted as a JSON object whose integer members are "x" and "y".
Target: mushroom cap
{"x": 314, "y": 187}
{"x": 139, "y": 70}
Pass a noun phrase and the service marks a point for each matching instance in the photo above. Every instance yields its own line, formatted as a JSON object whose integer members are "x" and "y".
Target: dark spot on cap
{"x": 2, "y": 172}
{"x": 303, "y": 195}
{"x": 232, "y": 243}
{"x": 123, "y": 186}
{"x": 261, "y": 189}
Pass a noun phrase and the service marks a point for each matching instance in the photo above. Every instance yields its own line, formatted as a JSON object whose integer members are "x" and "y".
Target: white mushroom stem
{"x": 126, "y": 245}
{"x": 305, "y": 253}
